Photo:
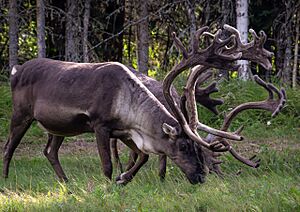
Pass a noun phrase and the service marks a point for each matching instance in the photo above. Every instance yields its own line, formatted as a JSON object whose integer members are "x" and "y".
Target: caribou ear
{"x": 169, "y": 130}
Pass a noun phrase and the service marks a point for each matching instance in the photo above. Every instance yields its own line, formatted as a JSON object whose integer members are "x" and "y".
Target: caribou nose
{"x": 201, "y": 179}
{"x": 197, "y": 179}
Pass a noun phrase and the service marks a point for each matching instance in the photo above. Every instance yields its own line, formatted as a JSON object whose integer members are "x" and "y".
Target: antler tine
{"x": 265, "y": 85}
{"x": 282, "y": 97}
{"x": 179, "y": 45}
{"x": 271, "y": 104}
{"x": 196, "y": 37}
{"x": 204, "y": 77}
{"x": 254, "y": 35}
{"x": 202, "y": 94}
{"x": 218, "y": 46}
{"x": 250, "y": 162}
{"x": 254, "y": 50}
{"x": 263, "y": 38}
{"x": 237, "y": 36}
{"x": 271, "y": 88}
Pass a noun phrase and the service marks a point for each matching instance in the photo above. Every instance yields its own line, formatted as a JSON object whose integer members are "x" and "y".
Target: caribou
{"x": 68, "y": 99}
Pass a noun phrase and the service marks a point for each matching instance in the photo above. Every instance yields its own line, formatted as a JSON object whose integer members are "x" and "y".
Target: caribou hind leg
{"x": 51, "y": 152}
{"x": 18, "y": 127}
{"x": 115, "y": 154}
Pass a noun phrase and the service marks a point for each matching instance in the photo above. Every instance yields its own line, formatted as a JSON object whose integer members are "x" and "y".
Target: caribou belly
{"x": 62, "y": 121}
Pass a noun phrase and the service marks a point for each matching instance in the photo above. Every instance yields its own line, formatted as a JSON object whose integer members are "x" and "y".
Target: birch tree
{"x": 242, "y": 22}
{"x": 295, "y": 66}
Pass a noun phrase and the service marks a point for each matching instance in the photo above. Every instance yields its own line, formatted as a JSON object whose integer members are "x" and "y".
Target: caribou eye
{"x": 183, "y": 147}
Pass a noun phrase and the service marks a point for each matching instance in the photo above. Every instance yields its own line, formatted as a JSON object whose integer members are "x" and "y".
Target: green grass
{"x": 274, "y": 186}
{"x": 32, "y": 186}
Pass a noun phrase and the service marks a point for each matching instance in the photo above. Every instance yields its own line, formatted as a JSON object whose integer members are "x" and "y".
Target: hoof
{"x": 64, "y": 180}
{"x": 122, "y": 179}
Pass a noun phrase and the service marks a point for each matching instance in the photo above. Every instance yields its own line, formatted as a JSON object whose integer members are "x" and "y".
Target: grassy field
{"x": 274, "y": 186}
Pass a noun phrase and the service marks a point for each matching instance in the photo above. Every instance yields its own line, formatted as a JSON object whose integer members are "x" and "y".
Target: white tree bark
{"x": 40, "y": 20}
{"x": 295, "y": 66}
{"x": 242, "y": 22}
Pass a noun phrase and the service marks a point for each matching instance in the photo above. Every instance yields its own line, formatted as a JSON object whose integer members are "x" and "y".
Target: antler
{"x": 197, "y": 57}
{"x": 253, "y": 51}
{"x": 270, "y": 104}
{"x": 202, "y": 94}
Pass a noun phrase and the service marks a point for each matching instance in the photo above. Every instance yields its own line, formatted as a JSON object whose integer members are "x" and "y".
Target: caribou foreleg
{"x": 51, "y": 153}
{"x": 127, "y": 176}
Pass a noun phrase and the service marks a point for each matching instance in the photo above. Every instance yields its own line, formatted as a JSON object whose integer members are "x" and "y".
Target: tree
{"x": 242, "y": 22}
{"x": 40, "y": 20}
{"x": 295, "y": 66}
{"x": 287, "y": 68}
{"x": 86, "y": 18}
{"x": 71, "y": 46}
{"x": 13, "y": 33}
{"x": 113, "y": 35}
{"x": 142, "y": 36}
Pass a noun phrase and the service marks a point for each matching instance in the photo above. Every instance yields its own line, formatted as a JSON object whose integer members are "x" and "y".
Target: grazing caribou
{"x": 68, "y": 99}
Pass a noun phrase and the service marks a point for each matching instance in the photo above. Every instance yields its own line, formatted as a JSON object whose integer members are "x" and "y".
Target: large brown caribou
{"x": 68, "y": 99}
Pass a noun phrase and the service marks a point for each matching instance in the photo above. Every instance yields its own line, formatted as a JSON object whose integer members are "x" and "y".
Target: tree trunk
{"x": 56, "y": 23}
{"x": 226, "y": 13}
{"x": 115, "y": 13}
{"x": 295, "y": 66}
{"x": 71, "y": 50}
{"x": 242, "y": 22}
{"x": 40, "y": 20}
{"x": 86, "y": 18}
{"x": 192, "y": 20}
{"x": 142, "y": 36}
{"x": 13, "y": 33}
{"x": 287, "y": 68}
{"x": 129, "y": 4}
